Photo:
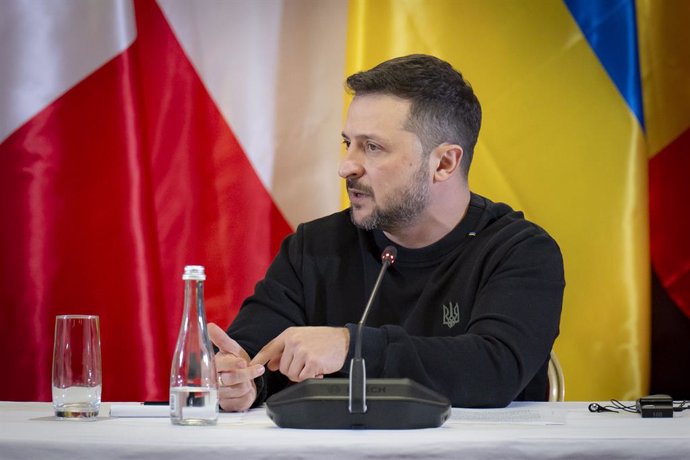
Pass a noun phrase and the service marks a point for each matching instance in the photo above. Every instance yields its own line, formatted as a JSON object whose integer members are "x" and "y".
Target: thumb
{"x": 223, "y": 340}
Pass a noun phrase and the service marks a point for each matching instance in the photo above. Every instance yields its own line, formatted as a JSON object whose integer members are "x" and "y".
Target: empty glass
{"x": 77, "y": 367}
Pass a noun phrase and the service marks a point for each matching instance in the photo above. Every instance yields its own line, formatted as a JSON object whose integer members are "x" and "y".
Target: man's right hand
{"x": 236, "y": 387}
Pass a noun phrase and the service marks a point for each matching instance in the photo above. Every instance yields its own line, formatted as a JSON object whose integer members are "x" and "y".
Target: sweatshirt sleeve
{"x": 277, "y": 301}
{"x": 275, "y": 305}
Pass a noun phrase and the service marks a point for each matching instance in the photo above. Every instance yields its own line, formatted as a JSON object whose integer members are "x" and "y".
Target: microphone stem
{"x": 360, "y": 326}
{"x": 358, "y": 372}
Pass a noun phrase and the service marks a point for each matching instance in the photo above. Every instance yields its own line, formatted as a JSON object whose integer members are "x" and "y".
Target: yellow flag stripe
{"x": 664, "y": 38}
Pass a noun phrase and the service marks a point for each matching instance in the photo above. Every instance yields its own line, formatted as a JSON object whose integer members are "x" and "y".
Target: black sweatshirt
{"x": 472, "y": 316}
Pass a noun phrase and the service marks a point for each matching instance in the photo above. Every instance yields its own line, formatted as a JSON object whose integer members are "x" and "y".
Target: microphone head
{"x": 388, "y": 255}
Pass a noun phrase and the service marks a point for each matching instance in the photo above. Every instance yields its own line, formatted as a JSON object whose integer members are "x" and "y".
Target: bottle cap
{"x": 194, "y": 272}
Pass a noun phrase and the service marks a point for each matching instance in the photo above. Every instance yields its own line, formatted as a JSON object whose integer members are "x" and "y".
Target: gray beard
{"x": 404, "y": 209}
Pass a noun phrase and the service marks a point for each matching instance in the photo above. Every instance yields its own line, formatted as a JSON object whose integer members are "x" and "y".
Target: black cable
{"x": 616, "y": 405}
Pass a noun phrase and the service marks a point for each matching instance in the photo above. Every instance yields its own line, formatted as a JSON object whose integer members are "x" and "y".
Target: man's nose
{"x": 350, "y": 166}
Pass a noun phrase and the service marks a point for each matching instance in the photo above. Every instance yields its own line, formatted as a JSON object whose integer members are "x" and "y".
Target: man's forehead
{"x": 381, "y": 100}
{"x": 376, "y": 112}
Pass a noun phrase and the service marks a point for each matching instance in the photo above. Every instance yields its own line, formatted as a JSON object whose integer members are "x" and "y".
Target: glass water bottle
{"x": 193, "y": 385}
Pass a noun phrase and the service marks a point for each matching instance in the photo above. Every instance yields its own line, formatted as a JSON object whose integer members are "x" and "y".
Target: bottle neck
{"x": 194, "y": 299}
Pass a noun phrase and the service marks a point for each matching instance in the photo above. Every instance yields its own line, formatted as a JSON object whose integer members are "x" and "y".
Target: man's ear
{"x": 446, "y": 159}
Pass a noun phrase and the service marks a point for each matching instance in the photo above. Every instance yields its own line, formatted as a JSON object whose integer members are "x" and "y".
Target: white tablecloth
{"x": 30, "y": 431}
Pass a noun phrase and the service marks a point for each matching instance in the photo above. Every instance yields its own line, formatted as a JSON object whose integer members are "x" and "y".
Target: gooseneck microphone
{"x": 358, "y": 402}
{"x": 358, "y": 373}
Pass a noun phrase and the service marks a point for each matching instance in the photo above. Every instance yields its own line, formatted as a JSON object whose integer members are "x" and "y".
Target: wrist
{"x": 346, "y": 340}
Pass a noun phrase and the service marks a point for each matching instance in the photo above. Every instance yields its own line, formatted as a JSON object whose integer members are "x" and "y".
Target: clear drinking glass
{"x": 77, "y": 367}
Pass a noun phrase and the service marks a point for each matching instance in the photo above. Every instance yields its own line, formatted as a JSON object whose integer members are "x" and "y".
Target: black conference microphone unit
{"x": 339, "y": 403}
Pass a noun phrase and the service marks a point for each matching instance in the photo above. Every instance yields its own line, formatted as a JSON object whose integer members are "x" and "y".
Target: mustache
{"x": 356, "y": 185}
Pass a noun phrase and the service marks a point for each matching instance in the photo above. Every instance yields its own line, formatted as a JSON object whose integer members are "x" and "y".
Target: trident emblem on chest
{"x": 451, "y": 314}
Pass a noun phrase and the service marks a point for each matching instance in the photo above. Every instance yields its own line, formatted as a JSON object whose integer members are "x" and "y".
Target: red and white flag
{"x": 138, "y": 137}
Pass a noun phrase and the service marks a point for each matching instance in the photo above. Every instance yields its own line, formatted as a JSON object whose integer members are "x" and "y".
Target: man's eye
{"x": 372, "y": 147}
{"x": 346, "y": 143}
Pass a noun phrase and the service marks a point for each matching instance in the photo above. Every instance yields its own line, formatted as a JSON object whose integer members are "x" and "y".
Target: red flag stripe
{"x": 669, "y": 190}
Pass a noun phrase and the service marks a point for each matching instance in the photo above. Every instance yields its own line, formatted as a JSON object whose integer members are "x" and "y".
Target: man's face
{"x": 387, "y": 175}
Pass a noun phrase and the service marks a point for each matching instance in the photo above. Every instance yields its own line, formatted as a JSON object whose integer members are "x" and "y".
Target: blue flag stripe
{"x": 611, "y": 30}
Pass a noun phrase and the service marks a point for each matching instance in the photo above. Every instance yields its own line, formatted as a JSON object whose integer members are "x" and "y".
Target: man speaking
{"x": 470, "y": 308}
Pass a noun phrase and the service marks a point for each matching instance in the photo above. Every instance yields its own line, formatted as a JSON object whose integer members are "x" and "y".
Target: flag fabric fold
{"x": 116, "y": 185}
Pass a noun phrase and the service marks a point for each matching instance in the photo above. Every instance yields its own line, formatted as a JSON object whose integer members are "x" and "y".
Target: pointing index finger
{"x": 223, "y": 340}
{"x": 269, "y": 352}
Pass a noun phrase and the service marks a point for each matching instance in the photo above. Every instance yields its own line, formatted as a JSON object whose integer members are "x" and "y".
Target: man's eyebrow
{"x": 364, "y": 136}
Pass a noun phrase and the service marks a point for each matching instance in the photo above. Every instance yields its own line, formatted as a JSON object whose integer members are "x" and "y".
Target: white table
{"x": 30, "y": 431}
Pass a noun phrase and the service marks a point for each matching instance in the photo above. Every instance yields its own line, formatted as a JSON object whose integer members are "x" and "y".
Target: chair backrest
{"x": 556, "y": 379}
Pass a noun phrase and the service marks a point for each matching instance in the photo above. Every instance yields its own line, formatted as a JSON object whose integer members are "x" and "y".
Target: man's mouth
{"x": 357, "y": 193}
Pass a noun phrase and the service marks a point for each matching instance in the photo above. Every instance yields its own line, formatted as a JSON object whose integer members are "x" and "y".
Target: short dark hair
{"x": 443, "y": 105}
